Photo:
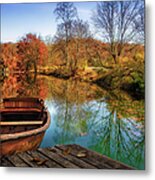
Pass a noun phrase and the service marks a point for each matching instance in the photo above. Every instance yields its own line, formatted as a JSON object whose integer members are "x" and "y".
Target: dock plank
{"x": 63, "y": 156}
{"x": 73, "y": 159}
{"x": 96, "y": 159}
{"x": 49, "y": 163}
{"x": 16, "y": 161}
{"x": 5, "y": 163}
{"x": 88, "y": 158}
{"x": 57, "y": 158}
{"x": 26, "y": 158}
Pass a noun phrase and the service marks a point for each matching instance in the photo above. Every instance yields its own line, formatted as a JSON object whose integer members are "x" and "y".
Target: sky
{"x": 20, "y": 19}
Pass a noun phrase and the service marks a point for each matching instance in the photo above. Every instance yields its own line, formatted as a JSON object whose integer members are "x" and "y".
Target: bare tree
{"x": 139, "y": 23}
{"x": 66, "y": 13}
{"x": 81, "y": 29}
{"x": 71, "y": 29}
{"x": 118, "y": 23}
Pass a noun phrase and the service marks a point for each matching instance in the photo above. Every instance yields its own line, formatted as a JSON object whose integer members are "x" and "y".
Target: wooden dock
{"x": 63, "y": 156}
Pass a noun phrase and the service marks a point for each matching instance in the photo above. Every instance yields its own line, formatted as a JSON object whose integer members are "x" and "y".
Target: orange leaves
{"x": 9, "y": 55}
{"x": 10, "y": 87}
{"x": 43, "y": 89}
{"x": 29, "y": 48}
{"x": 32, "y": 48}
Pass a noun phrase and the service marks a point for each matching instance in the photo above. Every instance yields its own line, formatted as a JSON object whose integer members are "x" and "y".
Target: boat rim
{"x": 5, "y": 137}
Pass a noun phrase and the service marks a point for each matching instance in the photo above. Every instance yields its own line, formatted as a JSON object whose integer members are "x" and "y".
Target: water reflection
{"x": 110, "y": 123}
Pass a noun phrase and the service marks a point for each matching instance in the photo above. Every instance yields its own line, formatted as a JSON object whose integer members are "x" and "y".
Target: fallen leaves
{"x": 53, "y": 150}
{"x": 39, "y": 161}
{"x": 81, "y": 154}
{"x": 67, "y": 151}
{"x": 42, "y": 162}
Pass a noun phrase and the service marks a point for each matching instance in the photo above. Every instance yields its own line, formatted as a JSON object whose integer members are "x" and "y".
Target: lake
{"x": 108, "y": 122}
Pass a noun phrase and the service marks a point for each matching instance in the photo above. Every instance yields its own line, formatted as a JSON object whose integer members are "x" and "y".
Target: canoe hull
{"x": 22, "y": 144}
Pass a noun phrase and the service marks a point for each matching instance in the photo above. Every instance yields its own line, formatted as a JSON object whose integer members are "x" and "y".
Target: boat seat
{"x": 15, "y": 110}
{"x": 20, "y": 123}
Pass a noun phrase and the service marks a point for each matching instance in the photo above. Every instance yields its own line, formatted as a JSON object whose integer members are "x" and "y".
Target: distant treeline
{"x": 117, "y": 55}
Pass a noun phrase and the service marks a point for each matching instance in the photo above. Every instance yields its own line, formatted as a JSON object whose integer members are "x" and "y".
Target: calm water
{"x": 111, "y": 123}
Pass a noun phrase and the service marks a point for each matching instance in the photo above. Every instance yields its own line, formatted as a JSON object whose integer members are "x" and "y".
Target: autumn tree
{"x": 8, "y": 56}
{"x": 32, "y": 51}
{"x": 119, "y": 23}
{"x": 80, "y": 33}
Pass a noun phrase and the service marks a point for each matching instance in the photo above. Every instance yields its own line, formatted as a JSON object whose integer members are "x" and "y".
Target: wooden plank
{"x": 22, "y": 102}
{"x": 63, "y": 156}
{"x": 20, "y": 123}
{"x": 15, "y": 110}
{"x": 72, "y": 159}
{"x": 16, "y": 161}
{"x": 5, "y": 163}
{"x": 88, "y": 159}
{"x": 16, "y": 129}
{"x": 95, "y": 159}
{"x": 24, "y": 99}
{"x": 107, "y": 161}
{"x": 57, "y": 158}
{"x": 27, "y": 159}
{"x": 49, "y": 163}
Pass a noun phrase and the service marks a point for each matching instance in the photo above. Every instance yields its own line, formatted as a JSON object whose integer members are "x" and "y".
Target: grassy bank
{"x": 128, "y": 77}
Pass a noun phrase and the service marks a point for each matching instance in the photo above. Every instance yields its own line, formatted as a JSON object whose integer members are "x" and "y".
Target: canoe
{"x": 23, "y": 122}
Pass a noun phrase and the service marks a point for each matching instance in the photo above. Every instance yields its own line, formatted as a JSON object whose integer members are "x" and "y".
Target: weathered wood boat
{"x": 23, "y": 122}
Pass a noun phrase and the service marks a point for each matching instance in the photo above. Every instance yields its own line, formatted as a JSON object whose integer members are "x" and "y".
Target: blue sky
{"x": 19, "y": 19}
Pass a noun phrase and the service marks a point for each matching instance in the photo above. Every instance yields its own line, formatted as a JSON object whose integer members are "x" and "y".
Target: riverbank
{"x": 125, "y": 77}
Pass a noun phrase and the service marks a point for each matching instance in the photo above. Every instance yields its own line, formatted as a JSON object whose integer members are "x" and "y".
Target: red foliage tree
{"x": 32, "y": 51}
{"x": 8, "y": 55}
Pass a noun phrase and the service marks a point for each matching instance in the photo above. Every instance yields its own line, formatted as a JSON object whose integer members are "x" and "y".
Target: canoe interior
{"x": 24, "y": 99}
{"x": 23, "y": 103}
{"x": 17, "y": 129}
{"x": 29, "y": 112}
{"x": 9, "y": 117}
{"x": 23, "y": 122}
{"x": 16, "y": 116}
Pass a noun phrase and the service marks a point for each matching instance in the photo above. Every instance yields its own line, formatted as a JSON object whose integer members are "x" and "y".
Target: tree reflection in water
{"x": 110, "y": 123}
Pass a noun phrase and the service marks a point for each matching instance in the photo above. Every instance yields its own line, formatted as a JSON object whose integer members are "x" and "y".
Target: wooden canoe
{"x": 23, "y": 122}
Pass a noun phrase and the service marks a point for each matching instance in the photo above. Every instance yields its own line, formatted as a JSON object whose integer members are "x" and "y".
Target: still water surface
{"x": 108, "y": 122}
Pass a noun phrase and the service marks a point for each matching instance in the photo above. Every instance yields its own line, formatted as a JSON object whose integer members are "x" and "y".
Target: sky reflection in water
{"x": 110, "y": 123}
{"x": 92, "y": 125}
